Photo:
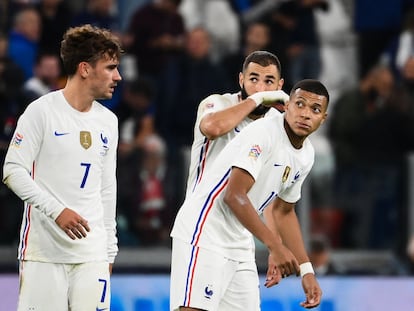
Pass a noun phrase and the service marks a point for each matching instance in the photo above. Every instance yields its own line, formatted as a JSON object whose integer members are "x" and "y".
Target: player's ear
{"x": 241, "y": 80}
{"x": 324, "y": 118}
{"x": 83, "y": 68}
{"x": 280, "y": 83}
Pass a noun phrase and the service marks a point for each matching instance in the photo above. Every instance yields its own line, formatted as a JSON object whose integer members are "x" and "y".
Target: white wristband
{"x": 306, "y": 268}
{"x": 257, "y": 98}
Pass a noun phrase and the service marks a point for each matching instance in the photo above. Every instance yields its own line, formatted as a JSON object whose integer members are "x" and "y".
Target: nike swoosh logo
{"x": 98, "y": 309}
{"x": 60, "y": 134}
{"x": 277, "y": 164}
{"x": 236, "y": 129}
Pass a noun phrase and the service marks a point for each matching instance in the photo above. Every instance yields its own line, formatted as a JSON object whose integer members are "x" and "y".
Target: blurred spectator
{"x": 154, "y": 35}
{"x": 300, "y": 42}
{"x": 47, "y": 72}
{"x": 337, "y": 50}
{"x": 256, "y": 37}
{"x": 11, "y": 83}
{"x": 410, "y": 254}
{"x": 135, "y": 125}
{"x": 320, "y": 256}
{"x": 219, "y": 19}
{"x": 141, "y": 170}
{"x": 337, "y": 47}
{"x": 253, "y": 10}
{"x": 98, "y": 13}
{"x": 55, "y": 19}
{"x": 11, "y": 97}
{"x": 151, "y": 213}
{"x": 406, "y": 42}
{"x": 135, "y": 115}
{"x": 375, "y": 28}
{"x": 188, "y": 80}
{"x": 404, "y": 59}
{"x": 126, "y": 8}
{"x": 24, "y": 39}
{"x": 371, "y": 130}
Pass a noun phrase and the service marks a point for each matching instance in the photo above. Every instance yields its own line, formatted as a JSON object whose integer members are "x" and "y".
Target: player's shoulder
{"x": 44, "y": 103}
{"x": 213, "y": 100}
{"x": 106, "y": 113}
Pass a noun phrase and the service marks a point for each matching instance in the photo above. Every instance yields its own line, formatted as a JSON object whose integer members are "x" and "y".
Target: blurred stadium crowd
{"x": 179, "y": 51}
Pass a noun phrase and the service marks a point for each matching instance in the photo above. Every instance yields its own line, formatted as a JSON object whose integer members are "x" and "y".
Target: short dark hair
{"x": 313, "y": 86}
{"x": 87, "y": 43}
{"x": 263, "y": 58}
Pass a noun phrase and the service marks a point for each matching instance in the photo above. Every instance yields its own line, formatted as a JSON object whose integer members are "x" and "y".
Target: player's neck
{"x": 295, "y": 140}
{"x": 76, "y": 97}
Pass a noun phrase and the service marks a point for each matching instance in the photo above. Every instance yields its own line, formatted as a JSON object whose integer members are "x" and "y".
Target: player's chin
{"x": 107, "y": 95}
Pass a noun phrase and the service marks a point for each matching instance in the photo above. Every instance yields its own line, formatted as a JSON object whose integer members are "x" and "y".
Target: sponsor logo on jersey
{"x": 286, "y": 174}
{"x": 255, "y": 151}
{"x": 17, "y": 140}
{"x": 208, "y": 292}
{"x": 85, "y": 139}
{"x": 60, "y": 133}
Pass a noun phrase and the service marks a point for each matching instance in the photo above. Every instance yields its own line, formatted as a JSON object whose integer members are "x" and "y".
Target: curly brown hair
{"x": 87, "y": 43}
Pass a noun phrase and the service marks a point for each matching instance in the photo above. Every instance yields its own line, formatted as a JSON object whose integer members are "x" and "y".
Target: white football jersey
{"x": 204, "y": 150}
{"x": 265, "y": 152}
{"x": 60, "y": 157}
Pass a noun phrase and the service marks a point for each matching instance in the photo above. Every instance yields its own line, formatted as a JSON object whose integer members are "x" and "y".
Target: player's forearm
{"x": 20, "y": 182}
{"x": 221, "y": 122}
{"x": 248, "y": 217}
{"x": 271, "y": 222}
{"x": 108, "y": 194}
{"x": 289, "y": 229}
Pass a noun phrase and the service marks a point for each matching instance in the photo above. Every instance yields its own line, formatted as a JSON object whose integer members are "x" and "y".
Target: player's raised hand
{"x": 72, "y": 223}
{"x": 312, "y": 291}
{"x": 269, "y": 98}
{"x": 281, "y": 264}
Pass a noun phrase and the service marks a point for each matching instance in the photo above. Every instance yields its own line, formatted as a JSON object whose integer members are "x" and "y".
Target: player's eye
{"x": 317, "y": 109}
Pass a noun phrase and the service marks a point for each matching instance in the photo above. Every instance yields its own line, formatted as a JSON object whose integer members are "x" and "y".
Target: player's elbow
{"x": 234, "y": 200}
{"x": 212, "y": 129}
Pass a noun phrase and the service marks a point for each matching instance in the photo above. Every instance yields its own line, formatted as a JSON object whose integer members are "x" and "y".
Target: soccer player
{"x": 62, "y": 163}
{"x": 221, "y": 117}
{"x": 263, "y": 168}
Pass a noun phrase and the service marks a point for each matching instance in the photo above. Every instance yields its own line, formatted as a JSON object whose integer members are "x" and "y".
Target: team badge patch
{"x": 255, "y": 151}
{"x": 85, "y": 138}
{"x": 286, "y": 174}
{"x": 17, "y": 140}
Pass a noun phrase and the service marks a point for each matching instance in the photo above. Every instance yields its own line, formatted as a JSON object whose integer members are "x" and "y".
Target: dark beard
{"x": 259, "y": 110}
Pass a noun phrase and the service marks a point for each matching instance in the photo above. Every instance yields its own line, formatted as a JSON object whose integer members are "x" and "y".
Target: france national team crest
{"x": 85, "y": 138}
{"x": 104, "y": 141}
{"x": 208, "y": 291}
{"x": 255, "y": 151}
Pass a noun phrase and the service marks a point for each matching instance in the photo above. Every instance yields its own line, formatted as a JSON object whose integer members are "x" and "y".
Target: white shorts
{"x": 63, "y": 287}
{"x": 206, "y": 280}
